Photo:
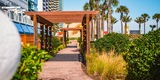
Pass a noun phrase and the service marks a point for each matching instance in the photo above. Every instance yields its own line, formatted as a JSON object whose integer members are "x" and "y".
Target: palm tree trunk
{"x": 125, "y": 28}
{"x": 92, "y": 30}
{"x": 109, "y": 16}
{"x": 98, "y": 20}
{"x": 111, "y": 27}
{"x": 157, "y": 23}
{"x": 102, "y": 24}
{"x": 92, "y": 22}
{"x": 139, "y": 28}
{"x": 144, "y": 28}
{"x": 121, "y": 26}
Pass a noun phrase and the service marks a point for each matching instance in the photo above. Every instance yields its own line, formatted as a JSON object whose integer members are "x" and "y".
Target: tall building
{"x": 33, "y": 5}
{"x": 14, "y": 9}
{"x": 50, "y": 5}
{"x": 20, "y": 3}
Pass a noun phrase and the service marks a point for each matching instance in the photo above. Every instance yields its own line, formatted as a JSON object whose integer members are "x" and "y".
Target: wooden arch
{"x": 47, "y": 20}
{"x": 64, "y": 30}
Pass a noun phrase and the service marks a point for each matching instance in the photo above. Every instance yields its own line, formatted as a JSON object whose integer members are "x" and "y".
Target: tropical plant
{"x": 113, "y": 21}
{"x": 89, "y": 7}
{"x": 109, "y": 5}
{"x": 157, "y": 18}
{"x": 112, "y": 41}
{"x": 86, "y": 6}
{"x": 152, "y": 26}
{"x": 143, "y": 57}
{"x": 126, "y": 19}
{"x": 31, "y": 63}
{"x": 145, "y": 18}
{"x": 122, "y": 9}
{"x": 55, "y": 44}
{"x": 98, "y": 19}
{"x": 55, "y": 29}
{"x": 139, "y": 20}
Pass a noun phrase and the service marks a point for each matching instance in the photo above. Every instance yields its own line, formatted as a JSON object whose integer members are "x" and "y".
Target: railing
{"x": 19, "y": 17}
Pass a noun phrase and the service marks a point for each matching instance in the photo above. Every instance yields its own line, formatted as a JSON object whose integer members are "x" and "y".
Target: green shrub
{"x": 55, "y": 44}
{"x": 113, "y": 41}
{"x": 31, "y": 63}
{"x": 143, "y": 57}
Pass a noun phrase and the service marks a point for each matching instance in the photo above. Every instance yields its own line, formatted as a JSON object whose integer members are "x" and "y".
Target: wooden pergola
{"x": 64, "y": 30}
{"x": 47, "y": 20}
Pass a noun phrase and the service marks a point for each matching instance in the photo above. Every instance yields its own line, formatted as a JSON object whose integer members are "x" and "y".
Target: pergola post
{"x": 50, "y": 38}
{"x": 63, "y": 38}
{"x": 46, "y": 37}
{"x": 42, "y": 35}
{"x": 35, "y": 30}
{"x": 84, "y": 34}
{"x": 88, "y": 34}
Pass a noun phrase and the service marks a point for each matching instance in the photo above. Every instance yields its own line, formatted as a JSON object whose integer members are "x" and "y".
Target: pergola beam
{"x": 43, "y": 20}
{"x": 70, "y": 29}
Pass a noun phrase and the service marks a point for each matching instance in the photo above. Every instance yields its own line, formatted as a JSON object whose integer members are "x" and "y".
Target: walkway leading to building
{"x": 64, "y": 66}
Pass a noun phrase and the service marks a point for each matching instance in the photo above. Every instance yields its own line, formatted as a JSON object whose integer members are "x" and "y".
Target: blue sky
{"x": 136, "y": 7}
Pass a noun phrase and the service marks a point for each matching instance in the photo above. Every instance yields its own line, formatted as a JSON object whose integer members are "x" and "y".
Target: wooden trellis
{"x": 47, "y": 20}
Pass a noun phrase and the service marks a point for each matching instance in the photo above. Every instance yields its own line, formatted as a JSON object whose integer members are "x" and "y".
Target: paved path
{"x": 65, "y": 66}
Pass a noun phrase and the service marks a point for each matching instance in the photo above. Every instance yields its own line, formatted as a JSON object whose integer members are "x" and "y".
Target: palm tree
{"x": 110, "y": 3}
{"x": 98, "y": 19}
{"x": 145, "y": 18}
{"x": 122, "y": 9}
{"x": 157, "y": 17}
{"x": 126, "y": 19}
{"x": 139, "y": 20}
{"x": 86, "y": 6}
{"x": 153, "y": 26}
{"x": 113, "y": 21}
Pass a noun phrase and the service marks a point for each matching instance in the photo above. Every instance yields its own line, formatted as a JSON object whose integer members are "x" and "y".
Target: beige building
{"x": 73, "y": 34}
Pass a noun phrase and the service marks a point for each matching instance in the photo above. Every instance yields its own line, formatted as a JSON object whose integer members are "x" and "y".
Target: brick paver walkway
{"x": 65, "y": 66}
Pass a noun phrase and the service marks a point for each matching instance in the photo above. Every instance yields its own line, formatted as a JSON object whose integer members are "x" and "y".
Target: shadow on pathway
{"x": 64, "y": 66}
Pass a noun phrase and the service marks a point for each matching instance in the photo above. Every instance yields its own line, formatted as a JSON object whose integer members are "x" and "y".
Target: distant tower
{"x": 52, "y": 5}
{"x": 32, "y": 5}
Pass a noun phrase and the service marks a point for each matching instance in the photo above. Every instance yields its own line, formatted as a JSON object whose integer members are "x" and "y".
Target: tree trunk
{"x": 111, "y": 27}
{"x": 121, "y": 26}
{"x": 157, "y": 23}
{"x": 109, "y": 16}
{"x": 92, "y": 30}
{"x": 139, "y": 28}
{"x": 98, "y": 20}
{"x": 102, "y": 24}
{"x": 144, "y": 28}
{"x": 125, "y": 28}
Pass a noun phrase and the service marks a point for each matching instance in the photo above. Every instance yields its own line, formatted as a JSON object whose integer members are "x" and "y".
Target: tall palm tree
{"x": 89, "y": 7}
{"x": 145, "y": 18}
{"x": 139, "y": 20}
{"x": 113, "y": 21}
{"x": 98, "y": 18}
{"x": 157, "y": 17}
{"x": 152, "y": 26}
{"x": 109, "y": 5}
{"x": 122, "y": 10}
{"x": 86, "y": 6}
{"x": 126, "y": 19}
